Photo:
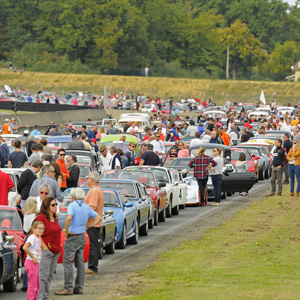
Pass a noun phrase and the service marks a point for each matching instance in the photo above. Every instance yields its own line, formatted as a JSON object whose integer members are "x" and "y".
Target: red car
{"x": 11, "y": 222}
{"x": 157, "y": 191}
{"x": 85, "y": 169}
{"x": 250, "y": 161}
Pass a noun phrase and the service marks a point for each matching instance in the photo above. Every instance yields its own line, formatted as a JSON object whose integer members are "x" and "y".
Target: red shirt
{"x": 5, "y": 185}
{"x": 52, "y": 234}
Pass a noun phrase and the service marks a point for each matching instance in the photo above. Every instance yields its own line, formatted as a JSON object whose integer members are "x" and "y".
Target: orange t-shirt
{"x": 295, "y": 122}
{"x": 95, "y": 198}
{"x": 6, "y": 129}
{"x": 64, "y": 171}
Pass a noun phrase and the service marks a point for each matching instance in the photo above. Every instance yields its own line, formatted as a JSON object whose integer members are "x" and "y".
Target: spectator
{"x": 183, "y": 151}
{"x": 4, "y": 149}
{"x": 115, "y": 162}
{"x": 83, "y": 130}
{"x": 73, "y": 170}
{"x": 63, "y": 168}
{"x": 158, "y": 146}
{"x": 6, "y": 185}
{"x": 35, "y": 131}
{"x": 224, "y": 136}
{"x": 17, "y": 159}
{"x": 92, "y": 133}
{"x": 14, "y": 126}
{"x": 196, "y": 141}
{"x": 111, "y": 129}
{"x": 76, "y": 144}
{"x": 58, "y": 174}
{"x": 6, "y": 127}
{"x": 215, "y": 138}
{"x": 293, "y": 158}
{"x": 287, "y": 145}
{"x": 94, "y": 145}
{"x": 64, "y": 130}
{"x": 233, "y": 135}
{"x": 244, "y": 136}
{"x": 95, "y": 199}
{"x": 192, "y": 129}
{"x": 71, "y": 129}
{"x": 129, "y": 154}
{"x": 85, "y": 142}
{"x": 242, "y": 166}
{"x": 34, "y": 156}
{"x": 53, "y": 131}
{"x": 105, "y": 158}
{"x": 46, "y": 149}
{"x": 26, "y": 180}
{"x": 149, "y": 158}
{"x": 49, "y": 128}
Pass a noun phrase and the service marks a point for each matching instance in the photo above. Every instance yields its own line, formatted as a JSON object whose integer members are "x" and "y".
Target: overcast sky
{"x": 290, "y": 2}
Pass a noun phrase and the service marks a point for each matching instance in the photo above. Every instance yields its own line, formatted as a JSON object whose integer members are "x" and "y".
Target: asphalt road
{"x": 185, "y": 217}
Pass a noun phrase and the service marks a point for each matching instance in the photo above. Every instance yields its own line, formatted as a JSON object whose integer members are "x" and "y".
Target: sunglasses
{"x": 44, "y": 193}
{"x": 62, "y": 154}
{"x": 132, "y": 146}
{"x": 54, "y": 204}
{"x": 102, "y": 150}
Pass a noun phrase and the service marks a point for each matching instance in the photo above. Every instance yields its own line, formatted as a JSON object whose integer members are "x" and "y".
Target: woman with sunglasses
{"x": 183, "y": 151}
{"x": 293, "y": 158}
{"x": 216, "y": 175}
{"x": 51, "y": 237}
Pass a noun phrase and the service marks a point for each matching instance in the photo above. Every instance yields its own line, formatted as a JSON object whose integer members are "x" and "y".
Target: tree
{"x": 242, "y": 45}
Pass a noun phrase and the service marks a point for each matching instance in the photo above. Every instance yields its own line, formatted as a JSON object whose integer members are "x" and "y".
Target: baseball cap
{"x": 165, "y": 122}
{"x": 147, "y": 129}
{"x": 83, "y": 126}
{"x": 13, "y": 119}
{"x": 6, "y": 120}
{"x": 53, "y": 126}
{"x": 26, "y": 131}
{"x": 94, "y": 140}
{"x": 74, "y": 134}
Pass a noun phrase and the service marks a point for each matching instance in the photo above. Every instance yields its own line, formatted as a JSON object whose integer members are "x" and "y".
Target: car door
{"x": 174, "y": 188}
{"x": 183, "y": 187}
{"x": 144, "y": 205}
{"x": 237, "y": 182}
{"x": 176, "y": 177}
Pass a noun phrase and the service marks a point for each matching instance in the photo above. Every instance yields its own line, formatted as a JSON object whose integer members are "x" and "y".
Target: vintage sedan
{"x": 250, "y": 160}
{"x": 156, "y": 191}
{"x": 108, "y": 232}
{"x": 134, "y": 191}
{"x": 8, "y": 262}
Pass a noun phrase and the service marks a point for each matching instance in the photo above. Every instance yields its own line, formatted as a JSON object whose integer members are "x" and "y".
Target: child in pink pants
{"x": 33, "y": 248}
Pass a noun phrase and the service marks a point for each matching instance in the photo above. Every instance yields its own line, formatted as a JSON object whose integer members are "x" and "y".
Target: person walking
{"x": 277, "y": 168}
{"x": 293, "y": 158}
{"x": 95, "y": 199}
{"x": 4, "y": 150}
{"x": 73, "y": 170}
{"x": 216, "y": 175}
{"x": 200, "y": 164}
{"x": 18, "y": 158}
{"x": 52, "y": 239}
{"x": 26, "y": 180}
{"x": 75, "y": 226}
{"x": 33, "y": 249}
{"x": 62, "y": 165}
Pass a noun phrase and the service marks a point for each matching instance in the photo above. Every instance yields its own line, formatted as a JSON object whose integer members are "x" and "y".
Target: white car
{"x": 192, "y": 191}
{"x": 182, "y": 193}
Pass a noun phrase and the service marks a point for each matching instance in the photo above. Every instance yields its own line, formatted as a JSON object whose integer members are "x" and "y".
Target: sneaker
{"x": 241, "y": 194}
{"x": 64, "y": 292}
{"x": 247, "y": 195}
{"x": 215, "y": 204}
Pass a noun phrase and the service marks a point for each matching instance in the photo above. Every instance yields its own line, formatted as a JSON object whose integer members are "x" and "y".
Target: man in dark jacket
{"x": 278, "y": 162}
{"x": 74, "y": 171}
{"x": 287, "y": 145}
{"x": 150, "y": 158}
{"x": 26, "y": 180}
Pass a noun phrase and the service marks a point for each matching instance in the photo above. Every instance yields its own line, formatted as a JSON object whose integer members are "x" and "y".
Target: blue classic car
{"x": 135, "y": 192}
{"x": 8, "y": 263}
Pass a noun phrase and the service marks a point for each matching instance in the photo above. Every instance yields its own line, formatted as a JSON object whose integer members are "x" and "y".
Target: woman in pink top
{"x": 183, "y": 151}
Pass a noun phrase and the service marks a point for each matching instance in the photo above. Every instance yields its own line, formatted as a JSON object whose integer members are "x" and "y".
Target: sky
{"x": 290, "y": 2}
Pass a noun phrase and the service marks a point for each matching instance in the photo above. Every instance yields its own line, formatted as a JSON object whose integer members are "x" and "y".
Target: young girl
{"x": 33, "y": 248}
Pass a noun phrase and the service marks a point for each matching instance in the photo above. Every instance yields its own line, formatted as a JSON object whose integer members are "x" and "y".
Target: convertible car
{"x": 156, "y": 190}
{"x": 135, "y": 192}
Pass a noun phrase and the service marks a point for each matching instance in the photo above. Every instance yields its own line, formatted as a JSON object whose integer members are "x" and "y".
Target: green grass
{"x": 255, "y": 255}
{"x": 218, "y": 90}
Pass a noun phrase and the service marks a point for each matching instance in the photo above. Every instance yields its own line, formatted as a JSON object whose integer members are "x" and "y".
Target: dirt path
{"x": 114, "y": 278}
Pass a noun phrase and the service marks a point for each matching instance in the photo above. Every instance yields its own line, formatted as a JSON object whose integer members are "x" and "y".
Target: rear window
{"x": 9, "y": 219}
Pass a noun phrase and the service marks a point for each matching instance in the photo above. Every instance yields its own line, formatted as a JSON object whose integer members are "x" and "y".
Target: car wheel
{"x": 182, "y": 206}
{"x": 110, "y": 249}
{"x": 100, "y": 242}
{"x": 223, "y": 196}
{"x": 122, "y": 243}
{"x": 267, "y": 174}
{"x": 175, "y": 210}
{"x": 19, "y": 269}
{"x": 11, "y": 284}
{"x": 169, "y": 209}
{"x": 144, "y": 229}
{"x": 162, "y": 216}
{"x": 156, "y": 216}
{"x": 261, "y": 174}
{"x": 135, "y": 239}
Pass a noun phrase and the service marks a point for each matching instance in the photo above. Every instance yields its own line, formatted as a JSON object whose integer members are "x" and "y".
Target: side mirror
{"x": 161, "y": 184}
{"x": 110, "y": 212}
{"x": 9, "y": 238}
{"x": 129, "y": 204}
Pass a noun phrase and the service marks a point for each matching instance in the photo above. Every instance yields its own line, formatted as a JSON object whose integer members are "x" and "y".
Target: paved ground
{"x": 115, "y": 270}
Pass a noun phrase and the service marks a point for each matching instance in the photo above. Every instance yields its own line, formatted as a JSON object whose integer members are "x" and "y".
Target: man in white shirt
{"x": 196, "y": 141}
{"x": 206, "y": 137}
{"x": 158, "y": 146}
{"x": 105, "y": 157}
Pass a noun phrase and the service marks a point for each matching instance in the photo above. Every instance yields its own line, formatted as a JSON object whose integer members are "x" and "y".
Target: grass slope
{"x": 255, "y": 255}
{"x": 164, "y": 87}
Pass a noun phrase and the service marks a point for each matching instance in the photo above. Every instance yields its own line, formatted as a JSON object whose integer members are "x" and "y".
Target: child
{"x": 33, "y": 248}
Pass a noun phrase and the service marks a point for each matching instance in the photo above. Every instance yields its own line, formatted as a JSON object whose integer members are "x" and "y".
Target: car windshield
{"x": 124, "y": 188}
{"x": 84, "y": 171}
{"x": 111, "y": 199}
{"x": 83, "y": 159}
{"x": 253, "y": 151}
{"x": 209, "y": 152}
{"x": 184, "y": 163}
{"x": 146, "y": 178}
{"x": 113, "y": 174}
{"x": 161, "y": 175}
{"x": 10, "y": 220}
{"x": 236, "y": 154}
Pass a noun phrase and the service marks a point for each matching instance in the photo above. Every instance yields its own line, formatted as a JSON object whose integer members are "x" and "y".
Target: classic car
{"x": 111, "y": 174}
{"x": 250, "y": 160}
{"x": 11, "y": 223}
{"x": 156, "y": 190}
{"x": 262, "y": 158}
{"x": 107, "y": 235}
{"x": 178, "y": 179}
{"x": 143, "y": 120}
{"x": 134, "y": 191}
{"x": 8, "y": 263}
{"x": 215, "y": 114}
{"x": 15, "y": 175}
{"x": 84, "y": 170}
{"x": 61, "y": 141}
{"x": 193, "y": 195}
{"x": 163, "y": 175}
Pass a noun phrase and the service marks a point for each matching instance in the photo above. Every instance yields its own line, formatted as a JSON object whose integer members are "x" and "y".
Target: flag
{"x": 262, "y": 97}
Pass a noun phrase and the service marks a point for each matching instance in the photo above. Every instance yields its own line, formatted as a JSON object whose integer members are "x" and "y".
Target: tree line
{"x": 256, "y": 37}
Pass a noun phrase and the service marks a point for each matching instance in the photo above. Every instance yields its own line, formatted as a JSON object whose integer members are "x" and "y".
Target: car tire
{"x": 19, "y": 269}
{"x": 155, "y": 219}
{"x": 261, "y": 174}
{"x": 175, "y": 210}
{"x": 223, "y": 196}
{"x": 169, "y": 209}
{"x": 267, "y": 174}
{"x": 11, "y": 284}
{"x": 144, "y": 229}
{"x": 101, "y": 248}
{"x": 122, "y": 243}
{"x": 182, "y": 206}
{"x": 135, "y": 239}
{"x": 110, "y": 249}
{"x": 162, "y": 215}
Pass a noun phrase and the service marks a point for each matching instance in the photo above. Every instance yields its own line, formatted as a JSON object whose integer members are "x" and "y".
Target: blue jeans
{"x": 292, "y": 174}
{"x": 216, "y": 181}
{"x": 297, "y": 172}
